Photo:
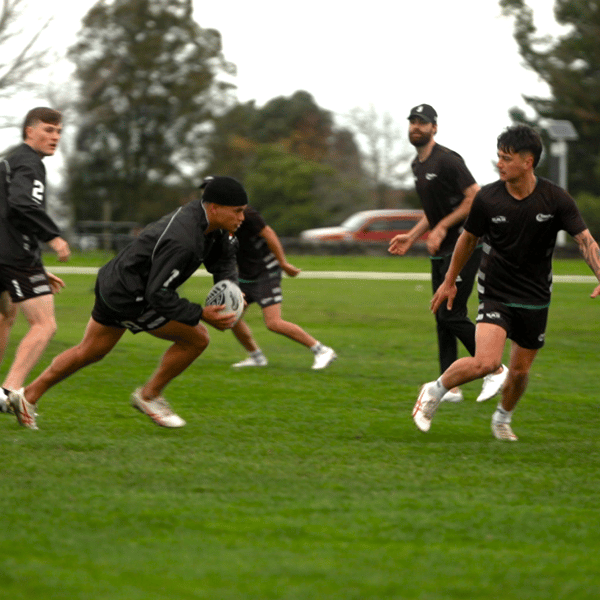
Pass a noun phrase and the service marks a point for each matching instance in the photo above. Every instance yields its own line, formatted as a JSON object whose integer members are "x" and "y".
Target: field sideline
{"x": 367, "y": 275}
{"x": 292, "y": 484}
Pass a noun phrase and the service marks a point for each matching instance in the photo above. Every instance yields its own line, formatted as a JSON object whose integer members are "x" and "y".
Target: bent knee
{"x": 47, "y": 330}
{"x": 275, "y": 325}
{"x": 201, "y": 340}
{"x": 485, "y": 367}
{"x": 88, "y": 357}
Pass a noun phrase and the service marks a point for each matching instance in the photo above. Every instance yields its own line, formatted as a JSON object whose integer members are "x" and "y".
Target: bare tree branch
{"x": 20, "y": 58}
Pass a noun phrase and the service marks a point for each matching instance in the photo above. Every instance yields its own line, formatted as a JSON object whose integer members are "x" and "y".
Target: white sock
{"x": 257, "y": 354}
{"x": 502, "y": 415}
{"x": 439, "y": 390}
{"x": 317, "y": 348}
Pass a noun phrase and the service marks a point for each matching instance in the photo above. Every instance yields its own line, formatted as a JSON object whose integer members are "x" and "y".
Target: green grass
{"x": 385, "y": 263}
{"x": 293, "y": 484}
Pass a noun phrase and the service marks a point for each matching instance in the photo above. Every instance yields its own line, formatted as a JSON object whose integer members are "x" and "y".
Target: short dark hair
{"x": 43, "y": 114}
{"x": 521, "y": 138}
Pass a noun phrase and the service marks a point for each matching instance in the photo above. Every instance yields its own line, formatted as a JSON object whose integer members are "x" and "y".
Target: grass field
{"x": 294, "y": 484}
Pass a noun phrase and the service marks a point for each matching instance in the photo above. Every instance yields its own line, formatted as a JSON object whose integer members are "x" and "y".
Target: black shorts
{"x": 24, "y": 283}
{"x": 265, "y": 292}
{"x": 524, "y": 326}
{"x": 148, "y": 320}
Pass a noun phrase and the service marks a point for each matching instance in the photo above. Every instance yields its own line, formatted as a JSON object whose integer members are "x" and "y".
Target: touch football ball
{"x": 228, "y": 293}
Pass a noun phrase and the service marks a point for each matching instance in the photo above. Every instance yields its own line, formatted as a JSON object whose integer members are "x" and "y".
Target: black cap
{"x": 425, "y": 112}
{"x": 226, "y": 191}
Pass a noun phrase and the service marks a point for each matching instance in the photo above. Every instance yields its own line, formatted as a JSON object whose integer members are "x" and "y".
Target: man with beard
{"x": 446, "y": 189}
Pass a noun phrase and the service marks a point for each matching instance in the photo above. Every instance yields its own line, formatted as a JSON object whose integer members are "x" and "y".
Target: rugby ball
{"x": 228, "y": 293}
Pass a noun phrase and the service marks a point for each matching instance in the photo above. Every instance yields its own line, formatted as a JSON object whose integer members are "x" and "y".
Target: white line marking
{"x": 338, "y": 275}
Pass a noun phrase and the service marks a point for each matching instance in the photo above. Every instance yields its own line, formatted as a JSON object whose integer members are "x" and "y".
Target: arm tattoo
{"x": 590, "y": 251}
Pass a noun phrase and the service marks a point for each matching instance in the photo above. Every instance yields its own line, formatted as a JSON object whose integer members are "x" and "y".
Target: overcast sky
{"x": 460, "y": 56}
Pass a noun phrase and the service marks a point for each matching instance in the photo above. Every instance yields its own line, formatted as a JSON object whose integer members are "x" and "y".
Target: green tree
{"x": 569, "y": 65}
{"x": 302, "y": 171}
{"x": 149, "y": 85}
{"x": 281, "y": 185}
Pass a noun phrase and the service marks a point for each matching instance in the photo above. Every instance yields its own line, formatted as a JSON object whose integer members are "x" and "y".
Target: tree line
{"x": 568, "y": 64}
{"x": 155, "y": 115}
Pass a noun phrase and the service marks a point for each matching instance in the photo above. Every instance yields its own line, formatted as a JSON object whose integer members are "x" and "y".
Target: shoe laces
{"x": 429, "y": 405}
{"x": 162, "y": 405}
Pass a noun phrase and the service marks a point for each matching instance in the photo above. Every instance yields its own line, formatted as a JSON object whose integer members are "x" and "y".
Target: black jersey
{"x": 255, "y": 259}
{"x": 440, "y": 181}
{"x": 516, "y": 267}
{"x": 147, "y": 273}
{"x": 23, "y": 219}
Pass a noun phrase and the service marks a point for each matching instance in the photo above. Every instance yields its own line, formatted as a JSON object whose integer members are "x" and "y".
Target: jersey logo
{"x": 500, "y": 219}
{"x": 541, "y": 217}
{"x": 430, "y": 176}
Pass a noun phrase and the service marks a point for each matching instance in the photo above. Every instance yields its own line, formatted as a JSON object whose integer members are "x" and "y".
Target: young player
{"x": 521, "y": 215}
{"x": 24, "y": 223}
{"x": 137, "y": 291}
{"x": 261, "y": 260}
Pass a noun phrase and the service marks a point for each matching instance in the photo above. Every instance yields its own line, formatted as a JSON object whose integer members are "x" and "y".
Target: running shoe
{"x": 324, "y": 357}
{"x": 425, "y": 407}
{"x": 251, "y": 361}
{"x": 451, "y": 396}
{"x": 24, "y": 411}
{"x": 503, "y": 431}
{"x": 157, "y": 409}
{"x": 492, "y": 384}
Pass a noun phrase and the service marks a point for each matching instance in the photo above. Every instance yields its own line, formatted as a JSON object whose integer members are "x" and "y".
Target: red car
{"x": 368, "y": 226}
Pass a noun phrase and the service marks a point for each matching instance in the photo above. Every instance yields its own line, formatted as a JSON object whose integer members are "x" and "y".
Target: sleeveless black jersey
{"x": 147, "y": 273}
{"x": 440, "y": 182}
{"x": 516, "y": 267}
{"x": 23, "y": 219}
{"x": 255, "y": 259}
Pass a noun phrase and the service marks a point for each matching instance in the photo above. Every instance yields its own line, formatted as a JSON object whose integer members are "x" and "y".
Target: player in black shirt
{"x": 520, "y": 215}
{"x": 137, "y": 290}
{"x": 446, "y": 189}
{"x": 24, "y": 223}
{"x": 261, "y": 260}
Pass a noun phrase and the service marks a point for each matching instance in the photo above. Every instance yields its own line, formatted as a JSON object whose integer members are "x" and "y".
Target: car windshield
{"x": 353, "y": 221}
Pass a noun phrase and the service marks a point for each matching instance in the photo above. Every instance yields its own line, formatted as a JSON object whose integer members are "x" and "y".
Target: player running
{"x": 521, "y": 214}
{"x": 137, "y": 291}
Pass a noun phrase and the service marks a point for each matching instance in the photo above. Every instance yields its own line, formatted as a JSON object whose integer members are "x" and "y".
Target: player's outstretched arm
{"x": 269, "y": 235}
{"x": 401, "y": 243}
{"x": 588, "y": 247}
{"x": 465, "y": 246}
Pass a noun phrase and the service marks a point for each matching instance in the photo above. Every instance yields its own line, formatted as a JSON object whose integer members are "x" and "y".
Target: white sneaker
{"x": 157, "y": 409}
{"x": 260, "y": 361}
{"x": 324, "y": 357}
{"x": 503, "y": 431}
{"x": 425, "y": 407}
{"x": 24, "y": 411}
{"x": 451, "y": 396}
{"x": 492, "y": 384}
